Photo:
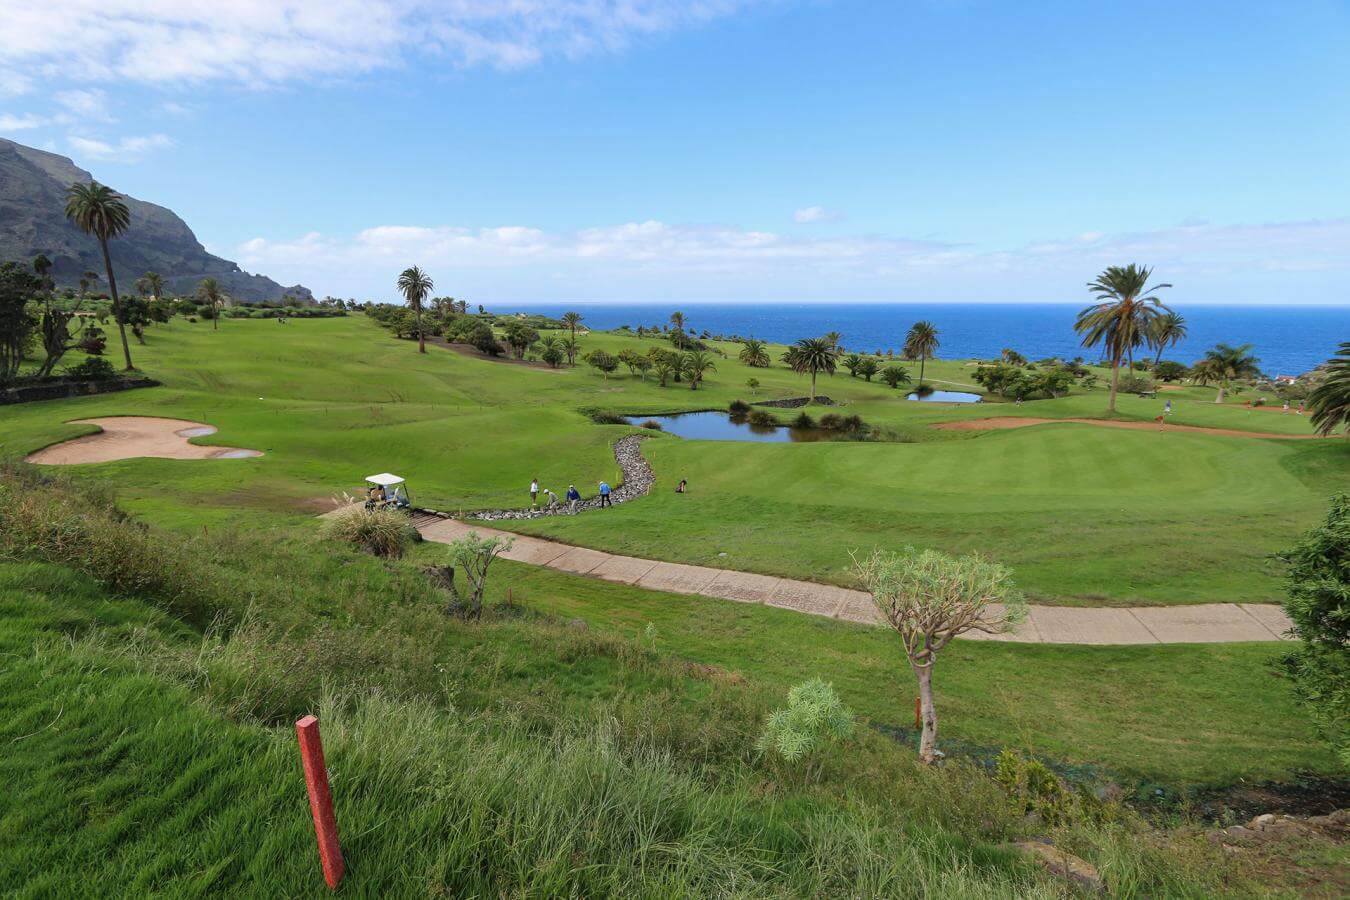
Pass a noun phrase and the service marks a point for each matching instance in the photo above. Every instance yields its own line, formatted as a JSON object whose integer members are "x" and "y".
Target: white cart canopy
{"x": 384, "y": 479}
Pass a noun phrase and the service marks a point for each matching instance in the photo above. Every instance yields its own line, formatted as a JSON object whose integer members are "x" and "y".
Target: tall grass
{"x": 513, "y": 756}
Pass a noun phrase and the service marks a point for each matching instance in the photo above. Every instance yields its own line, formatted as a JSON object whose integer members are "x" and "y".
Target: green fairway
{"x": 1083, "y": 514}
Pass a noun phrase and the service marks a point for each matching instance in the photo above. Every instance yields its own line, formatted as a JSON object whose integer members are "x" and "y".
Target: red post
{"x": 320, "y": 800}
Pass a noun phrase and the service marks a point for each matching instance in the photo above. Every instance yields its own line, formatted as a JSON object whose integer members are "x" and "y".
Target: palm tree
{"x": 98, "y": 210}
{"x": 921, "y": 342}
{"x": 1224, "y": 364}
{"x": 695, "y": 365}
{"x": 86, "y": 278}
{"x": 755, "y": 354}
{"x": 209, "y": 293}
{"x": 851, "y": 362}
{"x": 812, "y": 356}
{"x": 1121, "y": 320}
{"x": 677, "y": 319}
{"x": 415, "y": 285}
{"x": 572, "y": 320}
{"x": 834, "y": 338}
{"x": 1167, "y": 330}
{"x": 151, "y": 285}
{"x": 1330, "y": 400}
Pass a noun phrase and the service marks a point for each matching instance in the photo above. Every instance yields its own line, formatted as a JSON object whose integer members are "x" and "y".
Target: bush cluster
{"x": 383, "y": 532}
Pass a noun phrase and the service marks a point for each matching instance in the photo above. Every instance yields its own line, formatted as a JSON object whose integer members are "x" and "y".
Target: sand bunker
{"x": 997, "y": 422}
{"x": 126, "y": 437}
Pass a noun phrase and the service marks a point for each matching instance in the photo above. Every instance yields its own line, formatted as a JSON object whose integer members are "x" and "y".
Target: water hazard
{"x": 718, "y": 426}
{"x": 945, "y": 397}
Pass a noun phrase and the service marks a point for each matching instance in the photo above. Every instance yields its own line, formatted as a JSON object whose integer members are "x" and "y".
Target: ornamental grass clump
{"x": 383, "y": 532}
{"x": 813, "y": 717}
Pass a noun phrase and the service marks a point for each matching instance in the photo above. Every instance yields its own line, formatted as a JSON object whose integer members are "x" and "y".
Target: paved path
{"x": 1201, "y": 624}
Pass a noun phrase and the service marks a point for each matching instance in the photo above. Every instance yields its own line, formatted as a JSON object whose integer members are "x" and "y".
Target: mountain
{"x": 32, "y": 220}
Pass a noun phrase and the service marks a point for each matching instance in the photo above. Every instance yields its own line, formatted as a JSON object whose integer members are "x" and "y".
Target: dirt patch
{"x": 999, "y": 422}
{"x": 127, "y": 437}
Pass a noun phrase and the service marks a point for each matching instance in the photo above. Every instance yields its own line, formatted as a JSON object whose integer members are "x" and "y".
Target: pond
{"x": 719, "y": 426}
{"x": 945, "y": 397}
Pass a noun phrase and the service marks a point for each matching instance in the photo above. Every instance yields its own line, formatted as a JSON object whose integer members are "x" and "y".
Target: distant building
{"x": 1285, "y": 379}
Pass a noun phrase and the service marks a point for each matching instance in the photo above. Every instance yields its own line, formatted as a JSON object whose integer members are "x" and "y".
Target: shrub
{"x": 763, "y": 419}
{"x": 383, "y": 532}
{"x": 652, "y": 424}
{"x": 738, "y": 408}
{"x": 851, "y": 423}
{"x": 831, "y": 421}
{"x": 93, "y": 369}
{"x": 813, "y": 717}
{"x": 1034, "y": 790}
{"x": 1135, "y": 384}
{"x": 603, "y": 417}
{"x": 1169, "y": 370}
{"x": 803, "y": 421}
{"x": 92, "y": 341}
{"x": 483, "y": 340}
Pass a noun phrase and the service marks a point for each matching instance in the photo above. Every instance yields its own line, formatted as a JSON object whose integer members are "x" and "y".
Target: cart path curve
{"x": 1200, "y": 624}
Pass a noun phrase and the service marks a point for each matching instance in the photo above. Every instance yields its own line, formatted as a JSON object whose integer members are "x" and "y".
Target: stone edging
{"x": 637, "y": 481}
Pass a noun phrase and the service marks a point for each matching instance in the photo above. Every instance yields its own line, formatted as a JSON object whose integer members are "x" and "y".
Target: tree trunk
{"x": 421, "y": 341}
{"x": 923, "y": 358}
{"x": 117, "y": 304}
{"x": 928, "y": 736}
{"x": 1115, "y": 380}
{"x": 1219, "y": 397}
{"x": 215, "y": 317}
{"x": 813, "y": 385}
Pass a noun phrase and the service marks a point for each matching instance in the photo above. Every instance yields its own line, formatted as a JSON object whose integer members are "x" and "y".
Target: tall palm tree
{"x": 695, "y": 365}
{"x": 1121, "y": 318}
{"x": 98, "y": 210}
{"x": 151, "y": 285}
{"x": 1167, "y": 330}
{"x": 210, "y": 294}
{"x": 1330, "y": 400}
{"x": 572, "y": 320}
{"x": 834, "y": 338}
{"x": 677, "y": 319}
{"x": 755, "y": 354}
{"x": 1225, "y": 364}
{"x": 812, "y": 356}
{"x": 922, "y": 341}
{"x": 415, "y": 286}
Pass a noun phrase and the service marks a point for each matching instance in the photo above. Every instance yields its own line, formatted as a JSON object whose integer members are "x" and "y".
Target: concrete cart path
{"x": 1201, "y": 624}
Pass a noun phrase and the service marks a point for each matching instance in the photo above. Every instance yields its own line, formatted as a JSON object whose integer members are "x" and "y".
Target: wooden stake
{"x": 320, "y": 800}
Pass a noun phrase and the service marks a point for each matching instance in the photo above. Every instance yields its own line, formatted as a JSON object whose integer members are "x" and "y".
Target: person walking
{"x": 1301, "y": 404}
{"x": 1167, "y": 408}
{"x": 534, "y": 492}
{"x": 1286, "y": 408}
{"x": 604, "y": 495}
{"x": 682, "y": 486}
{"x": 573, "y": 497}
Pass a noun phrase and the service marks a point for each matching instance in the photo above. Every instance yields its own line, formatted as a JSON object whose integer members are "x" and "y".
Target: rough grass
{"x": 383, "y": 532}
{"x": 147, "y": 756}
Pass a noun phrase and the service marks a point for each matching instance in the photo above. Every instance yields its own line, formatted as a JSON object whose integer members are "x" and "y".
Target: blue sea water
{"x": 1287, "y": 339}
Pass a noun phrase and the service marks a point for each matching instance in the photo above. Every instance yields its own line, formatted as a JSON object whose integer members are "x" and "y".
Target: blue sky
{"x": 649, "y": 150}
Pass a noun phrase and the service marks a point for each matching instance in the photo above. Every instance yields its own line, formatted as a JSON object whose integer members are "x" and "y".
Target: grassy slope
{"x": 1083, "y": 514}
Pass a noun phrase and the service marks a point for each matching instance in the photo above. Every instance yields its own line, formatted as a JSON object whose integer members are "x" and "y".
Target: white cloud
{"x": 19, "y": 123}
{"x": 812, "y": 214}
{"x": 650, "y": 259}
{"x": 258, "y": 42}
{"x": 127, "y": 149}
{"x": 87, "y": 105}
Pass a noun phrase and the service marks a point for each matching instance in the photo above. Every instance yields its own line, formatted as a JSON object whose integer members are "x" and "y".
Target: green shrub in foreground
{"x": 813, "y": 717}
{"x": 384, "y": 532}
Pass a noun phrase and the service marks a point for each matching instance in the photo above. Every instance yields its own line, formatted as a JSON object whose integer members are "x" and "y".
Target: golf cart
{"x": 393, "y": 488}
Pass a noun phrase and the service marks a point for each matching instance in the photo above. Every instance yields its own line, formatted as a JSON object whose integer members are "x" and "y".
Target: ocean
{"x": 1288, "y": 340}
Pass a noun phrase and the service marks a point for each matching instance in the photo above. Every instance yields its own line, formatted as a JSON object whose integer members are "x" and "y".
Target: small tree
{"x": 851, "y": 362}
{"x": 520, "y": 336}
{"x": 473, "y": 555}
{"x": 868, "y": 367}
{"x": 752, "y": 384}
{"x": 895, "y": 376}
{"x": 929, "y": 598}
{"x": 17, "y": 324}
{"x": 1318, "y": 603}
{"x": 602, "y": 361}
{"x": 694, "y": 366}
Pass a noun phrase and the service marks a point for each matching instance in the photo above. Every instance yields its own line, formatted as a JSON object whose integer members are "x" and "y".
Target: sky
{"x": 716, "y": 150}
